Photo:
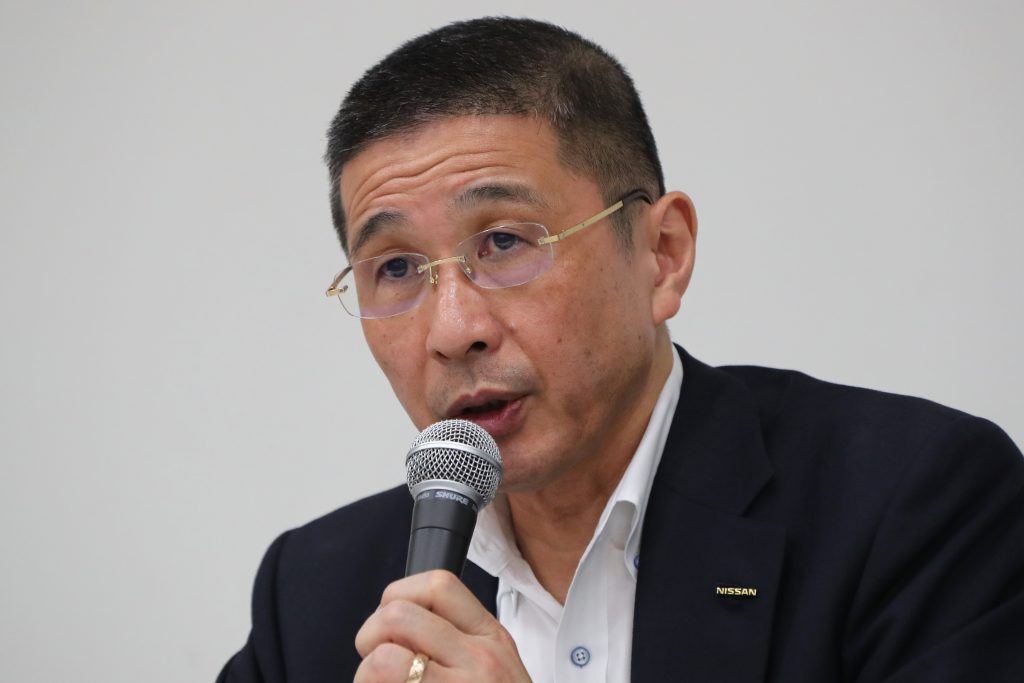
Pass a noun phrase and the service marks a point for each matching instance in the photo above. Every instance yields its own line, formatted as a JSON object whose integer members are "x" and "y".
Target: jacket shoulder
{"x": 791, "y": 399}
{"x": 860, "y": 444}
{"x": 319, "y": 582}
{"x": 368, "y": 532}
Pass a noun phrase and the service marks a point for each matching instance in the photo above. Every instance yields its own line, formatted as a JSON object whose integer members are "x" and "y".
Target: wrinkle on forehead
{"x": 453, "y": 150}
{"x": 399, "y": 179}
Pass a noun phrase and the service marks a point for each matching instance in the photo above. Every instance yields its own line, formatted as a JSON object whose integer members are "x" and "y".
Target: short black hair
{"x": 501, "y": 65}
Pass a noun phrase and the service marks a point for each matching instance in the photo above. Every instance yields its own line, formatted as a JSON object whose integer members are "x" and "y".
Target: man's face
{"x": 554, "y": 368}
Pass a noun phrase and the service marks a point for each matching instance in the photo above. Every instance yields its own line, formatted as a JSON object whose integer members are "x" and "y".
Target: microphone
{"x": 453, "y": 469}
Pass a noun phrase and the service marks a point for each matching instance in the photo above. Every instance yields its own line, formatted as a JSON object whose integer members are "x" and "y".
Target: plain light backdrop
{"x": 175, "y": 390}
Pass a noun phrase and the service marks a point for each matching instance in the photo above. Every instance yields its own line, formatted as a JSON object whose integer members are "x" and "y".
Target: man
{"x": 658, "y": 519}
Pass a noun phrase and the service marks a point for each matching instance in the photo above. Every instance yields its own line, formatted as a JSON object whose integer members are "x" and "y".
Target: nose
{"x": 461, "y": 321}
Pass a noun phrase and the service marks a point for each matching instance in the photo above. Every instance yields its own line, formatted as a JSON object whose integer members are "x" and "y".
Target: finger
{"x": 413, "y": 627}
{"x": 445, "y": 595}
{"x": 384, "y": 664}
{"x": 392, "y": 663}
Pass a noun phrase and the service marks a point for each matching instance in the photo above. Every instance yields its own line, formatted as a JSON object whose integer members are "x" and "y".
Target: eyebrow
{"x": 377, "y": 223}
{"x": 498, "y": 192}
{"x": 472, "y": 197}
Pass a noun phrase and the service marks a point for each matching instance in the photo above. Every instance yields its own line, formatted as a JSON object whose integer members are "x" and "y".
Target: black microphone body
{"x": 442, "y": 527}
{"x": 453, "y": 470}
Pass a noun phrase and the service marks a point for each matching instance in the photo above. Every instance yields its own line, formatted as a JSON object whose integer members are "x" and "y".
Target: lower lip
{"x": 500, "y": 422}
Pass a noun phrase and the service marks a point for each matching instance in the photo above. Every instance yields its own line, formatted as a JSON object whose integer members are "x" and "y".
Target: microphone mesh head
{"x": 458, "y": 451}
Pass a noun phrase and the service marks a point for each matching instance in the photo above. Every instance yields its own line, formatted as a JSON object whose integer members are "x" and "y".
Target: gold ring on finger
{"x": 418, "y": 668}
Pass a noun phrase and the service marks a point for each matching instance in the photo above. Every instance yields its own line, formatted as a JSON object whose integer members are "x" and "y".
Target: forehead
{"x": 421, "y": 170}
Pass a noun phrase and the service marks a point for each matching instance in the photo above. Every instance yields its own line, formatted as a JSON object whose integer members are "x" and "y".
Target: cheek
{"x": 380, "y": 343}
{"x": 394, "y": 354}
{"x": 601, "y": 299}
{"x": 606, "y": 322}
{"x": 575, "y": 335}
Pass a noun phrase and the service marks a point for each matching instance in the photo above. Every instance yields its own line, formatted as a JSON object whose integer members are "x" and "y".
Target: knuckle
{"x": 394, "y": 614}
{"x": 390, "y": 591}
{"x": 440, "y": 581}
{"x": 362, "y": 642}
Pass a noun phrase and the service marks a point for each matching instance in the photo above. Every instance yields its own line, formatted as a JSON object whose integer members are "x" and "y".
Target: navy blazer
{"x": 882, "y": 535}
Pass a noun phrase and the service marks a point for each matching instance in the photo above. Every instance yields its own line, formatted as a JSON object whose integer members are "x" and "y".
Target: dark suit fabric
{"x": 884, "y": 536}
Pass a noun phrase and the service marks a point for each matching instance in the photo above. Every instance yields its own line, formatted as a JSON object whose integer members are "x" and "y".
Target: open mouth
{"x": 485, "y": 407}
{"x": 499, "y": 416}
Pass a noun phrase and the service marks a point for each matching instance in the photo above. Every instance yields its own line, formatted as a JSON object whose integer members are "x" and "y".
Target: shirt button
{"x": 636, "y": 561}
{"x": 580, "y": 656}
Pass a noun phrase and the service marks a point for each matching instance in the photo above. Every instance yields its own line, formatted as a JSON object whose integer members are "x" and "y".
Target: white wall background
{"x": 175, "y": 390}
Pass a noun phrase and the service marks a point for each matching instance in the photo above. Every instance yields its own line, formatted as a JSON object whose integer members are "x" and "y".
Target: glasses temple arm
{"x": 635, "y": 194}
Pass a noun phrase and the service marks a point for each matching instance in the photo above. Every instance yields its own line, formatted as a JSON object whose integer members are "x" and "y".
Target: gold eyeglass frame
{"x": 334, "y": 290}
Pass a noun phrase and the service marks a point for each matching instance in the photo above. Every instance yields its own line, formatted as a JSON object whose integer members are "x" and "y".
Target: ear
{"x": 672, "y": 238}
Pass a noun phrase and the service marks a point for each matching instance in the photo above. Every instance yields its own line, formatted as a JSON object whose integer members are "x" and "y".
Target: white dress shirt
{"x": 590, "y": 637}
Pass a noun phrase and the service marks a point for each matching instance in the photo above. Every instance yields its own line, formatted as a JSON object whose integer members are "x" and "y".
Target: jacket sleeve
{"x": 941, "y": 596}
{"x": 260, "y": 660}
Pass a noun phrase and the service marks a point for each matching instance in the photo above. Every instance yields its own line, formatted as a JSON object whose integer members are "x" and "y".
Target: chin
{"x": 514, "y": 480}
{"x": 519, "y": 479}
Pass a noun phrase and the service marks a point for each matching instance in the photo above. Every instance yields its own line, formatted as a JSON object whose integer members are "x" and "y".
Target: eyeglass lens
{"x": 391, "y": 284}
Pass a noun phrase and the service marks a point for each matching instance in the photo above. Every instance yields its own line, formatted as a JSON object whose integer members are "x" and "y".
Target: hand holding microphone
{"x": 429, "y": 626}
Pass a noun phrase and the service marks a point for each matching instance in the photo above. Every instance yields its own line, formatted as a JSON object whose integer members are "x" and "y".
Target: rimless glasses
{"x": 503, "y": 256}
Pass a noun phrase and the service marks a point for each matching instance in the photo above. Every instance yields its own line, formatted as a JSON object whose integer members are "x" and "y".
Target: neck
{"x": 554, "y": 525}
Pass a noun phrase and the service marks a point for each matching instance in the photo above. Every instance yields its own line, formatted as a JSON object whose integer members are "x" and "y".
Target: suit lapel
{"x": 708, "y": 576}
